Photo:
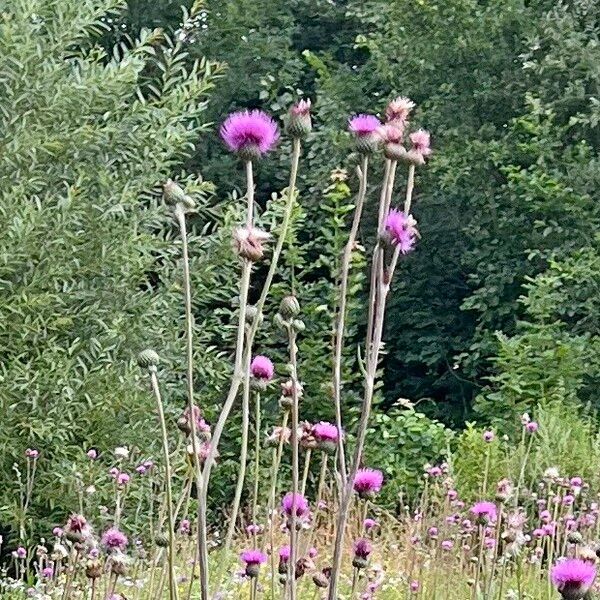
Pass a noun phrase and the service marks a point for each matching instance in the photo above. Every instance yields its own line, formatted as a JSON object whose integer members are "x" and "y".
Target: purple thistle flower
{"x": 262, "y": 368}
{"x": 488, "y": 436}
{"x": 47, "y": 572}
{"x": 366, "y": 132}
{"x": 531, "y": 427}
{"x": 114, "y": 539}
{"x": 400, "y": 230}
{"x": 92, "y": 454}
{"x": 77, "y": 528}
{"x": 253, "y": 559}
{"x": 293, "y": 501}
{"x": 324, "y": 431}
{"x": 284, "y": 553}
{"x": 484, "y": 511}
{"x": 369, "y": 524}
{"x": 573, "y": 577}
{"x": 20, "y": 552}
{"x": 363, "y": 125}
{"x": 368, "y": 482}
{"x": 249, "y": 133}
{"x": 362, "y": 548}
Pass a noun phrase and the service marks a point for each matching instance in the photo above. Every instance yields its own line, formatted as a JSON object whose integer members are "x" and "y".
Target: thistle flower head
{"x": 485, "y": 512}
{"x": 325, "y": 431}
{"x": 531, "y": 427}
{"x": 251, "y": 134}
{"x": 114, "y": 539}
{"x": 400, "y": 230}
{"x": 248, "y": 242}
{"x": 77, "y": 528}
{"x": 365, "y": 129}
{"x": 277, "y": 435}
{"x": 368, "y": 482}
{"x": 299, "y": 122}
{"x": 253, "y": 559}
{"x": 573, "y": 578}
{"x": 362, "y": 548}
{"x": 421, "y": 141}
{"x": 398, "y": 110}
{"x": 262, "y": 368}
{"x": 326, "y": 436}
{"x": 284, "y": 553}
{"x": 295, "y": 502}
{"x": 369, "y": 524}
{"x": 488, "y": 436}
{"x": 363, "y": 125}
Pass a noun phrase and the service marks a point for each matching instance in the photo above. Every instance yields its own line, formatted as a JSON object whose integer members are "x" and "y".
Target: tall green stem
{"x": 173, "y": 594}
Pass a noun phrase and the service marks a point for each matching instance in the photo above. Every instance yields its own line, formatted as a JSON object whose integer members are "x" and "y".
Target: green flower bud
{"x": 174, "y": 195}
{"x": 148, "y": 359}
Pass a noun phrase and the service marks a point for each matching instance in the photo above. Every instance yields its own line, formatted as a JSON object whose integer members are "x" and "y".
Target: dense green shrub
{"x": 88, "y": 272}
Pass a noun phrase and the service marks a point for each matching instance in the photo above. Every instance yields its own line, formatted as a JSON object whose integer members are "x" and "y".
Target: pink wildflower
{"x": 363, "y": 125}
{"x": 114, "y": 539}
{"x": 77, "y": 528}
{"x": 368, "y": 482}
{"x": 488, "y": 436}
{"x": 299, "y": 123}
{"x": 369, "y": 524}
{"x": 421, "y": 140}
{"x": 284, "y": 553}
{"x": 32, "y": 453}
{"x": 324, "y": 431}
{"x": 294, "y": 502}
{"x": 253, "y": 559}
{"x": 251, "y": 134}
{"x": 262, "y": 368}
{"x": 485, "y": 512}
{"x": 531, "y": 427}
{"x": 47, "y": 572}
{"x": 400, "y": 230}
{"x": 447, "y": 545}
{"x": 92, "y": 454}
{"x": 365, "y": 129}
{"x": 573, "y": 577}
{"x": 398, "y": 110}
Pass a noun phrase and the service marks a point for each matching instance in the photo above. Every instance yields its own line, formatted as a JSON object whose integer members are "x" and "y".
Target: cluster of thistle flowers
{"x": 518, "y": 530}
{"x": 78, "y": 559}
{"x": 367, "y": 484}
{"x": 253, "y": 133}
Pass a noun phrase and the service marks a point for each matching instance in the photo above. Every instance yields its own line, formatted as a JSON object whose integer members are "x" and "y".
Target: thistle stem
{"x": 341, "y": 314}
{"x": 295, "y": 462}
{"x": 173, "y": 595}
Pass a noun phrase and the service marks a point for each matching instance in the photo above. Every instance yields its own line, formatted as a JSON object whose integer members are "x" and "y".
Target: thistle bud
{"x": 289, "y": 307}
{"x": 298, "y": 325}
{"x": 299, "y": 123}
{"x": 161, "y": 540}
{"x": 248, "y": 242}
{"x": 148, "y": 359}
{"x": 174, "y": 195}
{"x": 93, "y": 569}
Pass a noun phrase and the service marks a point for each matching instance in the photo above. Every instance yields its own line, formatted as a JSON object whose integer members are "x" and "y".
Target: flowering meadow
{"x": 305, "y": 519}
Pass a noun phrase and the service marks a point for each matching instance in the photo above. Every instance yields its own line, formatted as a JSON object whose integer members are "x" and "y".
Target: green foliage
{"x": 476, "y": 464}
{"x": 88, "y": 271}
{"x": 402, "y": 442}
